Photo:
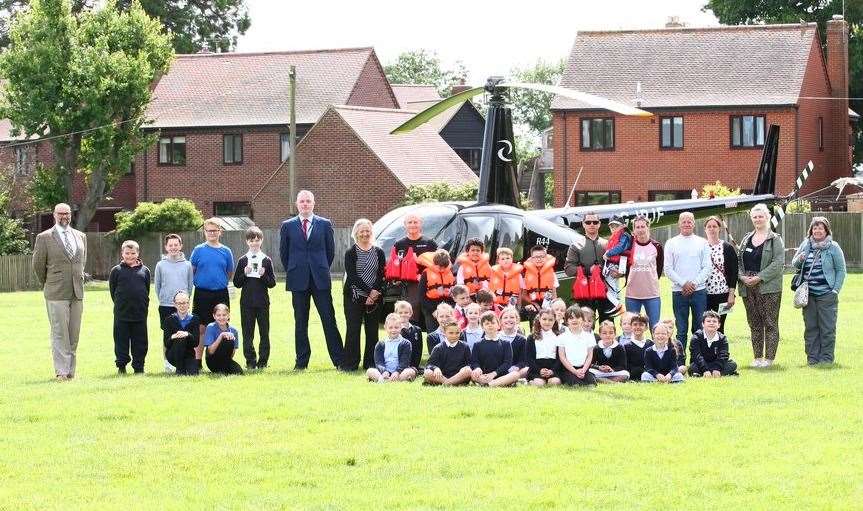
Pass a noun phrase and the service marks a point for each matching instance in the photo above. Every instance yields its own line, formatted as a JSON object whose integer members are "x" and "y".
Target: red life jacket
{"x": 538, "y": 281}
{"x": 505, "y": 284}
{"x": 613, "y": 241}
{"x": 404, "y": 269}
{"x": 580, "y": 285}
{"x": 437, "y": 277}
{"x": 474, "y": 273}
{"x": 597, "y": 285}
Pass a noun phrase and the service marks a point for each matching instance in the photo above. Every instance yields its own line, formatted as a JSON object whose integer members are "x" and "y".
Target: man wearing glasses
{"x": 58, "y": 261}
{"x": 587, "y": 256}
{"x": 212, "y": 266}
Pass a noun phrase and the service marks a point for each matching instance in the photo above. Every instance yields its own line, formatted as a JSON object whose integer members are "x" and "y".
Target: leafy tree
{"x": 749, "y": 12}
{"x": 13, "y": 236}
{"x": 85, "y": 83}
{"x": 440, "y": 191}
{"x": 46, "y": 188}
{"x": 421, "y": 67}
{"x": 533, "y": 108}
{"x": 194, "y": 24}
{"x": 718, "y": 189}
{"x": 799, "y": 206}
{"x": 171, "y": 215}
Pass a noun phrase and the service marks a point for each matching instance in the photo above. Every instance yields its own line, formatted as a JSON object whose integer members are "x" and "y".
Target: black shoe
{"x": 121, "y": 370}
{"x": 139, "y": 371}
{"x": 300, "y": 368}
{"x": 250, "y": 366}
{"x": 261, "y": 366}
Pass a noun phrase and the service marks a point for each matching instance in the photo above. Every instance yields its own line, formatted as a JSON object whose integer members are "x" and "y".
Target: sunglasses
{"x": 591, "y": 222}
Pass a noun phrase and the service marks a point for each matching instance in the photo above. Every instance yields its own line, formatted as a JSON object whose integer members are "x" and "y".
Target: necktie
{"x": 306, "y": 228}
{"x": 69, "y": 251}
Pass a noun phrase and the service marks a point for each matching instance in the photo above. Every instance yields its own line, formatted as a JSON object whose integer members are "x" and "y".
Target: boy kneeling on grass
{"x": 449, "y": 362}
{"x": 708, "y": 350}
{"x": 491, "y": 358}
{"x": 393, "y": 355}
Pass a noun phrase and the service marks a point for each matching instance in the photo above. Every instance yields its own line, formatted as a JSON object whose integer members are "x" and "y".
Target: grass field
{"x": 789, "y": 437}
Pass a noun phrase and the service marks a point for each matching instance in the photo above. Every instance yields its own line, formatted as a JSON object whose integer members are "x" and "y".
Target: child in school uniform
{"x": 709, "y": 350}
{"x": 180, "y": 336}
{"x": 485, "y": 300}
{"x": 679, "y": 350}
{"x": 660, "y": 359}
{"x": 491, "y": 358}
{"x": 472, "y": 333}
{"x": 558, "y": 306}
{"x": 443, "y": 314}
{"x": 221, "y": 340}
{"x": 609, "y": 357}
{"x": 254, "y": 275}
{"x": 411, "y": 332}
{"x": 474, "y": 270}
{"x": 509, "y": 320}
{"x": 541, "y": 350}
{"x": 435, "y": 286}
{"x": 461, "y": 297}
{"x": 625, "y": 328}
{"x": 576, "y": 350}
{"x": 636, "y": 346}
{"x": 129, "y": 284}
{"x": 449, "y": 362}
{"x": 392, "y": 355}
{"x": 589, "y": 320}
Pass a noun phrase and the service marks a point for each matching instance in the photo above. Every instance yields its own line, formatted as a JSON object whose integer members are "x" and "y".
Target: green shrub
{"x": 439, "y": 192}
{"x": 799, "y": 206}
{"x": 13, "y": 236}
{"x": 172, "y": 215}
{"x": 718, "y": 189}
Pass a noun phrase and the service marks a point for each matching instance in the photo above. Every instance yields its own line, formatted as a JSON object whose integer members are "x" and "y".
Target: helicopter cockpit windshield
{"x": 390, "y": 227}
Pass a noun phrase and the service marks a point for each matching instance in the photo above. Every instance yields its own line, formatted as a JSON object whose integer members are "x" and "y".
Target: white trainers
{"x": 169, "y": 368}
{"x": 758, "y": 362}
{"x": 766, "y": 362}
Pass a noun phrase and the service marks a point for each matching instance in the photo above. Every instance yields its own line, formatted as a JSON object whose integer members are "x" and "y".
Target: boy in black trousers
{"x": 129, "y": 284}
{"x": 708, "y": 350}
{"x": 254, "y": 275}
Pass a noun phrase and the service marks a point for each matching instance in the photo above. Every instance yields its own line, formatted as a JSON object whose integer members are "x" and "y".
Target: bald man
{"x": 687, "y": 264}
{"x": 307, "y": 249}
{"x": 58, "y": 262}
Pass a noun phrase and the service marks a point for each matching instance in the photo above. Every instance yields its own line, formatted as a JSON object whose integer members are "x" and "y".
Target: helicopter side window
{"x": 509, "y": 235}
{"x": 479, "y": 226}
{"x": 435, "y": 218}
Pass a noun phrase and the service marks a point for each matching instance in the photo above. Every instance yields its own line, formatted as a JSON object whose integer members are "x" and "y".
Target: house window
{"x": 671, "y": 132}
{"x": 597, "y": 134}
{"x": 172, "y": 150}
{"x": 658, "y": 195}
{"x": 232, "y": 209}
{"x": 747, "y": 131}
{"x": 820, "y": 133}
{"x": 285, "y": 146}
{"x": 471, "y": 157}
{"x": 595, "y": 198}
{"x": 24, "y": 156}
{"x": 232, "y": 146}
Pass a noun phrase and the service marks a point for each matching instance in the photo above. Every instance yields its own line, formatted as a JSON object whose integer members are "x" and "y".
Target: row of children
{"x": 190, "y": 331}
{"x": 562, "y": 348}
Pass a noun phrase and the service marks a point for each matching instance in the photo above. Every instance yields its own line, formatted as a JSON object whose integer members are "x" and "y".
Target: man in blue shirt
{"x": 212, "y": 266}
{"x": 307, "y": 249}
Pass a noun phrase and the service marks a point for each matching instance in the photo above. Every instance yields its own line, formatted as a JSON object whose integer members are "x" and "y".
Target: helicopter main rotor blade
{"x": 432, "y": 111}
{"x": 597, "y": 101}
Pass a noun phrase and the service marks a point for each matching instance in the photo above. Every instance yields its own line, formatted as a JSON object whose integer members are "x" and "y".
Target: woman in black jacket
{"x": 363, "y": 294}
{"x": 722, "y": 282}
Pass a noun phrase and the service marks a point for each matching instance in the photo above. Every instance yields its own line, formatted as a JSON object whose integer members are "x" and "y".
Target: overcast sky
{"x": 488, "y": 41}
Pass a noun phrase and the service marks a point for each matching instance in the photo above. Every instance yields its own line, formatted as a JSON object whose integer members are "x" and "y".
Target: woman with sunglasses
{"x": 363, "y": 293}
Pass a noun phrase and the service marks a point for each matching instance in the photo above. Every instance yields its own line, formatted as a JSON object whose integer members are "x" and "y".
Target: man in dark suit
{"x": 307, "y": 249}
{"x": 59, "y": 255}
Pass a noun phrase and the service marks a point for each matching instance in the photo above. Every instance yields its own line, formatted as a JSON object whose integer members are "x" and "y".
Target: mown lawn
{"x": 789, "y": 437}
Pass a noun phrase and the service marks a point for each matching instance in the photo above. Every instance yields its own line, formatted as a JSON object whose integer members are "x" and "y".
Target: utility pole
{"x": 292, "y": 141}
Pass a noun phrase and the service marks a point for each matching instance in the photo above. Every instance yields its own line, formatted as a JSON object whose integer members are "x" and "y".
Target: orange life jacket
{"x": 474, "y": 273}
{"x": 437, "y": 277}
{"x": 537, "y": 281}
{"x": 505, "y": 284}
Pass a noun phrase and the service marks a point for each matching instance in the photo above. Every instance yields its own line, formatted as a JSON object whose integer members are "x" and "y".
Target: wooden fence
{"x": 103, "y": 250}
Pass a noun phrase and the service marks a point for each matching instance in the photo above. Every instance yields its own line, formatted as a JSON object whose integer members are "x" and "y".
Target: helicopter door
{"x": 510, "y": 234}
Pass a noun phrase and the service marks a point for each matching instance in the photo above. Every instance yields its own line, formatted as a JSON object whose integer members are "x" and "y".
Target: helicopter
{"x": 496, "y": 219}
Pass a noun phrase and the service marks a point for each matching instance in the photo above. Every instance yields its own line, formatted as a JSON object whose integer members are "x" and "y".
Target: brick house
{"x": 357, "y": 169}
{"x": 223, "y": 120}
{"x": 713, "y": 92}
{"x": 461, "y": 126}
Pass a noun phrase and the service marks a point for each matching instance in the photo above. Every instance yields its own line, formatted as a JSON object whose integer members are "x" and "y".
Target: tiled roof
{"x": 415, "y": 158}
{"x": 686, "y": 67}
{"x": 409, "y": 95}
{"x": 245, "y": 89}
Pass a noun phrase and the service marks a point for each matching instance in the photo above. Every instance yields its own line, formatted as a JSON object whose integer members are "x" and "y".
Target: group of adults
{"x": 705, "y": 273}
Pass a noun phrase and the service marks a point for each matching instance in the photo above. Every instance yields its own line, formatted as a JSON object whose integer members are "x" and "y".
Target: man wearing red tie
{"x": 307, "y": 249}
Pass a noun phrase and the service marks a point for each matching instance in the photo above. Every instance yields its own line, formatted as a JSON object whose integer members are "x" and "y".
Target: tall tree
{"x": 83, "y": 84}
{"x": 421, "y": 67}
{"x": 533, "y": 108}
{"x": 196, "y": 25}
{"x": 820, "y": 11}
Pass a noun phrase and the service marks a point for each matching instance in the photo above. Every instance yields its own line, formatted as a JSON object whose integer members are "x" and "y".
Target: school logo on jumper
{"x": 507, "y": 146}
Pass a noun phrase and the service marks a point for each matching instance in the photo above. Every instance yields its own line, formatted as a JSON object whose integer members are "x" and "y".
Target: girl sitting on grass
{"x": 221, "y": 341}
{"x": 541, "y": 350}
{"x": 660, "y": 359}
{"x": 609, "y": 357}
{"x": 576, "y": 350}
{"x": 181, "y": 330}
{"x": 393, "y": 355}
{"x": 509, "y": 320}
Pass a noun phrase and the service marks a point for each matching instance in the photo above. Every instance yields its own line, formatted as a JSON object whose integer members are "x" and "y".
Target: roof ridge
{"x": 373, "y": 109}
{"x": 412, "y": 85}
{"x": 779, "y": 26}
{"x": 276, "y": 52}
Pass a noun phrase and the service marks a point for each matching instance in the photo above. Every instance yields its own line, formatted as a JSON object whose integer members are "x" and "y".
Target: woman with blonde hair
{"x": 363, "y": 293}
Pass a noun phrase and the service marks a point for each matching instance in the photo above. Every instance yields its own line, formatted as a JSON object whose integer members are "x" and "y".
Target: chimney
{"x": 674, "y": 22}
{"x": 837, "y": 71}
{"x": 459, "y": 87}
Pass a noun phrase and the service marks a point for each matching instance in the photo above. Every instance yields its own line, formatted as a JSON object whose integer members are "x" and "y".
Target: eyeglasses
{"x": 181, "y": 303}
{"x": 210, "y": 231}
{"x": 591, "y": 222}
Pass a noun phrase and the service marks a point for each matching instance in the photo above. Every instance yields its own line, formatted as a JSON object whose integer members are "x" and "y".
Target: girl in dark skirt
{"x": 541, "y": 350}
